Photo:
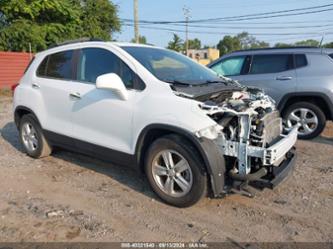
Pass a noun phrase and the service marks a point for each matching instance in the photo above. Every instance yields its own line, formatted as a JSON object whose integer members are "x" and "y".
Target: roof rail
{"x": 84, "y": 39}
{"x": 275, "y": 48}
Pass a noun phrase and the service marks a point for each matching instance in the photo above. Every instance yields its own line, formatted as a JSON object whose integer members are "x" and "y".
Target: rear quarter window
{"x": 58, "y": 66}
{"x": 41, "y": 70}
{"x": 31, "y": 61}
{"x": 300, "y": 60}
{"x": 331, "y": 55}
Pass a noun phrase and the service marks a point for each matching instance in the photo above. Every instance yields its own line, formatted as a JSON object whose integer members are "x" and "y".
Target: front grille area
{"x": 272, "y": 127}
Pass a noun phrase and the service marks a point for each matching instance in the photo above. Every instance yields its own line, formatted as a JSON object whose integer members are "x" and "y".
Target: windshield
{"x": 172, "y": 67}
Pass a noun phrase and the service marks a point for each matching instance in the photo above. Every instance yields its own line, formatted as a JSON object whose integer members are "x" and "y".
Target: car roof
{"x": 282, "y": 50}
{"x": 72, "y": 45}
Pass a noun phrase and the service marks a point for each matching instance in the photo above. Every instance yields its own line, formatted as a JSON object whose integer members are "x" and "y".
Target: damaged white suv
{"x": 190, "y": 131}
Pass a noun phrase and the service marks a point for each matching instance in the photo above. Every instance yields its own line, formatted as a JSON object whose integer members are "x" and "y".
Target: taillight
{"x": 13, "y": 87}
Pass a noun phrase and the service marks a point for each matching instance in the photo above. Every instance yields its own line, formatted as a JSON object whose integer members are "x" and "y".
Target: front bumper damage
{"x": 247, "y": 143}
{"x": 278, "y": 161}
{"x": 273, "y": 155}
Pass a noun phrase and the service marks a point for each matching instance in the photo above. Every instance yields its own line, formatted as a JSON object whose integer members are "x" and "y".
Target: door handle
{"x": 35, "y": 86}
{"x": 75, "y": 95}
{"x": 284, "y": 78}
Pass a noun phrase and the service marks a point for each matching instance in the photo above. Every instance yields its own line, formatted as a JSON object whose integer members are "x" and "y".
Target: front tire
{"x": 32, "y": 137}
{"x": 310, "y": 117}
{"x": 175, "y": 172}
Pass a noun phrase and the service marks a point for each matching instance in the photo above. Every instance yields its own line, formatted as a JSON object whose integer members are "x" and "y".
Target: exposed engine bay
{"x": 248, "y": 128}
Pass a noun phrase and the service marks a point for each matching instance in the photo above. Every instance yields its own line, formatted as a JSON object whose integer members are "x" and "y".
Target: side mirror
{"x": 113, "y": 82}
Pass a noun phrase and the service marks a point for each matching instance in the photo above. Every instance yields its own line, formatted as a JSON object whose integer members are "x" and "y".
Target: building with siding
{"x": 204, "y": 56}
{"x": 12, "y": 66}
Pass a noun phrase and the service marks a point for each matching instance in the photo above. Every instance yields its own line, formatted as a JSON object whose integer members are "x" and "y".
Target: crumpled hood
{"x": 216, "y": 92}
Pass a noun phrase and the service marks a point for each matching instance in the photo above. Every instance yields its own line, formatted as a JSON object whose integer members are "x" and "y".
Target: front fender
{"x": 209, "y": 152}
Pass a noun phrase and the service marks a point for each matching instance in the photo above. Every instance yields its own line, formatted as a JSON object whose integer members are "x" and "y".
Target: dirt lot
{"x": 70, "y": 197}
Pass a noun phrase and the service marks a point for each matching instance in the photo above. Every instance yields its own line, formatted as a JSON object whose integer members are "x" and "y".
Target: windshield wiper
{"x": 216, "y": 81}
{"x": 178, "y": 82}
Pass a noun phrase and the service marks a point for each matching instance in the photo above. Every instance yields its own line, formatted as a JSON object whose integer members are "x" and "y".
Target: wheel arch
{"x": 20, "y": 111}
{"x": 214, "y": 163}
{"x": 319, "y": 99}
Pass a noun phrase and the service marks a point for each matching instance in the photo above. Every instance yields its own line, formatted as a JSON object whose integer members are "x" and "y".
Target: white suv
{"x": 187, "y": 129}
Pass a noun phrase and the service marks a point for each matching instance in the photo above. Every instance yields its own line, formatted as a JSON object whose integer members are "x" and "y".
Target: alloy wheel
{"x": 29, "y": 137}
{"x": 172, "y": 173}
{"x": 305, "y": 118}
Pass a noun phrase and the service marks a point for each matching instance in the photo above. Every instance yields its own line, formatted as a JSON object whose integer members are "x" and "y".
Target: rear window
{"x": 300, "y": 60}
{"x": 58, "y": 65}
{"x": 273, "y": 63}
{"x": 331, "y": 55}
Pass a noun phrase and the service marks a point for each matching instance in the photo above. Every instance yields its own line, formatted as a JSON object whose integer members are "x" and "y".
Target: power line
{"x": 227, "y": 33}
{"x": 249, "y": 16}
{"x": 271, "y": 13}
{"x": 244, "y": 27}
{"x": 277, "y": 23}
{"x": 281, "y": 15}
{"x": 232, "y": 6}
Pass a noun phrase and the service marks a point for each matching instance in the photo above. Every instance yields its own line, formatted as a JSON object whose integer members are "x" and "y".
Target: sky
{"x": 287, "y": 29}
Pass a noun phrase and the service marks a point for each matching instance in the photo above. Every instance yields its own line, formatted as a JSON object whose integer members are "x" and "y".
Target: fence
{"x": 12, "y": 66}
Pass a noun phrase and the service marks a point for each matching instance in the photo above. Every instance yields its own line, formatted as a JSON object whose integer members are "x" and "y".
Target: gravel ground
{"x": 70, "y": 197}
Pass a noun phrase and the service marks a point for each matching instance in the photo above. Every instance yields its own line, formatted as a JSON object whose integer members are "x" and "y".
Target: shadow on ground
{"x": 322, "y": 140}
{"x": 124, "y": 175}
{"x": 10, "y": 134}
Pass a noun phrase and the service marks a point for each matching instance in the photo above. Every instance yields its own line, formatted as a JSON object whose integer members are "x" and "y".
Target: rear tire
{"x": 32, "y": 137}
{"x": 175, "y": 172}
{"x": 309, "y": 116}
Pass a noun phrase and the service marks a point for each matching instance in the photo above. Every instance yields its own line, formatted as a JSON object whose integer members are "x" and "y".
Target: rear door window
{"x": 271, "y": 63}
{"x": 230, "y": 67}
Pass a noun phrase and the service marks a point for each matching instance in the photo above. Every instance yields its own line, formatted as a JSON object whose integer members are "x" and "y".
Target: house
{"x": 204, "y": 56}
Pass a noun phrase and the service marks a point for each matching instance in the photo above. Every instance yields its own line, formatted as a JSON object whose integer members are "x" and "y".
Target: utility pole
{"x": 186, "y": 12}
{"x": 136, "y": 22}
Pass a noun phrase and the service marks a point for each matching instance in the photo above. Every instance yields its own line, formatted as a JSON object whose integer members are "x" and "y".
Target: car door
{"x": 99, "y": 116}
{"x": 274, "y": 73}
{"x": 54, "y": 81}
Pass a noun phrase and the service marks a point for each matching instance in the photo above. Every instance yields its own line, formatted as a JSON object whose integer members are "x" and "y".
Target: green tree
{"x": 228, "y": 44}
{"x": 142, "y": 40}
{"x": 99, "y": 19}
{"x": 282, "y": 45}
{"x": 248, "y": 41}
{"x": 329, "y": 45}
{"x": 43, "y": 22}
{"x": 310, "y": 42}
{"x": 238, "y": 42}
{"x": 176, "y": 43}
{"x": 193, "y": 44}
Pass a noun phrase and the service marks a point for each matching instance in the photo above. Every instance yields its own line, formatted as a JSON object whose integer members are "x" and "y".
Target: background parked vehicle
{"x": 300, "y": 80}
